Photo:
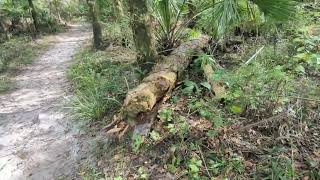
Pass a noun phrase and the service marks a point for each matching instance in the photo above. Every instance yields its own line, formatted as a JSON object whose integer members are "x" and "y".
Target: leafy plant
{"x": 142, "y": 173}
{"x": 166, "y": 115}
{"x": 194, "y": 166}
{"x": 137, "y": 141}
{"x": 169, "y": 13}
{"x": 190, "y": 87}
{"x": 224, "y": 15}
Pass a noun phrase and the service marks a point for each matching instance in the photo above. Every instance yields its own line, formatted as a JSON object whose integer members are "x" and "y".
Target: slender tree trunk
{"x": 118, "y": 8}
{"x": 96, "y": 27}
{"x": 34, "y": 16}
{"x": 141, "y": 25}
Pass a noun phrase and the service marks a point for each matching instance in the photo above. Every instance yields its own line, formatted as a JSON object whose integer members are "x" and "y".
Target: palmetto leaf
{"x": 276, "y": 9}
{"x": 169, "y": 14}
{"x": 223, "y": 15}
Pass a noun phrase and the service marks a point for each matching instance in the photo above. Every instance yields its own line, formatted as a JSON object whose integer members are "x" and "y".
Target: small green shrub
{"x": 260, "y": 86}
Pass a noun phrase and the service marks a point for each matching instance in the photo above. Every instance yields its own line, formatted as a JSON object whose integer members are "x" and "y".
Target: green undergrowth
{"x": 100, "y": 81}
{"x": 266, "y": 126}
{"x": 198, "y": 136}
{"x": 14, "y": 54}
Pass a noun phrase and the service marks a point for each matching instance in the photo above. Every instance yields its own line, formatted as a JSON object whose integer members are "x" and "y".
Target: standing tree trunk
{"x": 34, "y": 16}
{"x": 97, "y": 32}
{"x": 118, "y": 8}
{"x": 142, "y": 33}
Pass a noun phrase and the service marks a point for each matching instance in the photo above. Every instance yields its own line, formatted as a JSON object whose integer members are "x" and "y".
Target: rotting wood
{"x": 161, "y": 79}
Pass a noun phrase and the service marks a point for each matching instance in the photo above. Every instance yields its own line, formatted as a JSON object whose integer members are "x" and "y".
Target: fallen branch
{"x": 254, "y": 56}
{"x": 271, "y": 119}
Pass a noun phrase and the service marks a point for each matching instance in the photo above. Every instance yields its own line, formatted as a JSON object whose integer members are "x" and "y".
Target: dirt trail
{"x": 36, "y": 140}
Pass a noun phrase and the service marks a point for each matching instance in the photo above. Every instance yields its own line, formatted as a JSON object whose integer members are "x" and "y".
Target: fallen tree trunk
{"x": 161, "y": 79}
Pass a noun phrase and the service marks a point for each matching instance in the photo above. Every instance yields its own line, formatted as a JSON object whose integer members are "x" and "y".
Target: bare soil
{"x": 37, "y": 140}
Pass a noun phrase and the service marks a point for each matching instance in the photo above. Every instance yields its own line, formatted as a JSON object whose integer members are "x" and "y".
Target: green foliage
{"x": 174, "y": 124}
{"x": 118, "y": 32}
{"x": 105, "y": 8}
{"x": 276, "y": 167}
{"x": 190, "y": 87}
{"x": 224, "y": 15}
{"x": 259, "y": 84}
{"x": 306, "y": 49}
{"x": 276, "y": 9}
{"x": 142, "y": 173}
{"x": 100, "y": 85}
{"x": 194, "y": 166}
{"x": 220, "y": 165}
{"x": 198, "y": 135}
{"x": 137, "y": 141}
{"x": 168, "y": 14}
{"x": 91, "y": 174}
{"x": 51, "y": 15}
{"x": 16, "y": 51}
{"x": 166, "y": 115}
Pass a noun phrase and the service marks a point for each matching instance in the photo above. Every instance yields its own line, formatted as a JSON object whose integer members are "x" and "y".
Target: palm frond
{"x": 223, "y": 15}
{"x": 276, "y": 9}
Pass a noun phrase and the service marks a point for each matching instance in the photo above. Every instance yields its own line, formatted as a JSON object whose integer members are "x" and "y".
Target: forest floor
{"x": 36, "y": 140}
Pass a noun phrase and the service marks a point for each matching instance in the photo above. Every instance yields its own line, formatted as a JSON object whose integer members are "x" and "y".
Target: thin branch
{"x": 255, "y": 55}
{"x": 204, "y": 162}
{"x": 273, "y": 118}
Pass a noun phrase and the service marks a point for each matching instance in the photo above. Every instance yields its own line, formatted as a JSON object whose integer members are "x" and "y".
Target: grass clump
{"x": 100, "y": 84}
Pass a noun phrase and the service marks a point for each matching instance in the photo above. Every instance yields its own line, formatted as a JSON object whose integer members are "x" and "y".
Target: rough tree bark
{"x": 161, "y": 79}
{"x": 34, "y": 16}
{"x": 96, "y": 27}
{"x": 141, "y": 25}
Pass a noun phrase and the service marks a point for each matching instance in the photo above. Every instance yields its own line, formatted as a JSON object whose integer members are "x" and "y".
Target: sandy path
{"x": 36, "y": 141}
